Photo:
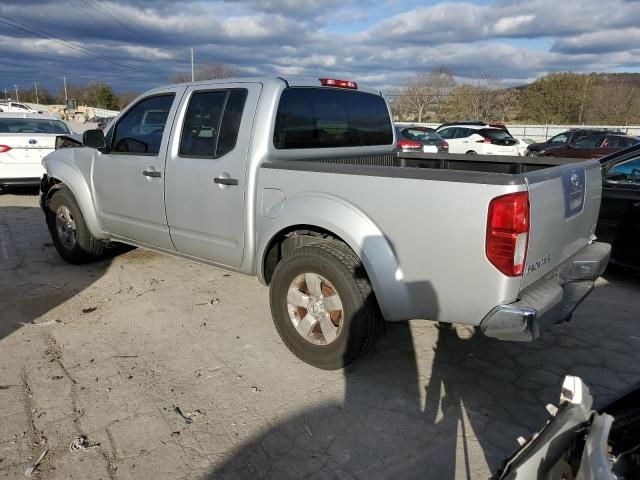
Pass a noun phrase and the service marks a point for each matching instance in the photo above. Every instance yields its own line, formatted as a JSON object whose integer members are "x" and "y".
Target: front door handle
{"x": 225, "y": 181}
{"x": 152, "y": 173}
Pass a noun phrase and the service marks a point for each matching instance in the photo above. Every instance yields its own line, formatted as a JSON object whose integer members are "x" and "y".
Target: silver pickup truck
{"x": 296, "y": 182}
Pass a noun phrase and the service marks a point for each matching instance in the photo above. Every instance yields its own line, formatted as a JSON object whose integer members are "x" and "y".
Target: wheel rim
{"x": 315, "y": 308}
{"x": 66, "y": 227}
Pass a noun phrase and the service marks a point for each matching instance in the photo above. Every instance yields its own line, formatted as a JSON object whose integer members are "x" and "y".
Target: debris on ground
{"x": 43, "y": 324}
{"x": 7, "y": 387}
{"x": 255, "y": 389}
{"x": 57, "y": 377}
{"x": 89, "y": 309}
{"x": 307, "y": 427}
{"x": 187, "y": 418}
{"x": 125, "y": 356}
{"x": 35, "y": 465}
{"x": 81, "y": 444}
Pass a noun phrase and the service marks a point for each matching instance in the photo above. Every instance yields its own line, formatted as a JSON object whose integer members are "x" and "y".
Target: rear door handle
{"x": 152, "y": 173}
{"x": 225, "y": 181}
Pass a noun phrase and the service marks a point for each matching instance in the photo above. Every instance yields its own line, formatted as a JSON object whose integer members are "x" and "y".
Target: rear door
{"x": 450, "y": 134}
{"x": 564, "y": 203}
{"x": 206, "y": 172}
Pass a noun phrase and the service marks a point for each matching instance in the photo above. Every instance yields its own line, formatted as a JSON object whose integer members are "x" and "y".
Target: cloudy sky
{"x": 137, "y": 44}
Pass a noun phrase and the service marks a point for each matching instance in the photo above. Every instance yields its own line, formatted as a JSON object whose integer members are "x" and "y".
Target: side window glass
{"x": 212, "y": 122}
{"x": 140, "y": 130}
{"x": 628, "y": 171}
{"x": 447, "y": 133}
{"x": 463, "y": 133}
{"x": 231, "y": 121}
{"x": 201, "y": 124}
{"x": 559, "y": 139}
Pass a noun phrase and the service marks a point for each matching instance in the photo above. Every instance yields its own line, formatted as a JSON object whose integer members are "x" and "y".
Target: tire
{"x": 69, "y": 231}
{"x": 471, "y": 152}
{"x": 360, "y": 323}
{"x": 532, "y": 153}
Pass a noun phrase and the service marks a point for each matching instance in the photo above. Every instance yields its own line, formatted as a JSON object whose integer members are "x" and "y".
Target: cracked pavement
{"x": 109, "y": 350}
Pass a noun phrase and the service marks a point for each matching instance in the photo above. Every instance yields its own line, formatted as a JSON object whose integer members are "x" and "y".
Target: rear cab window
{"x": 321, "y": 117}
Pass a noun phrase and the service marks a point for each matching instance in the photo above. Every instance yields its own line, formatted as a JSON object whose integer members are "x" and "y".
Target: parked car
{"x": 581, "y": 442}
{"x": 570, "y": 137}
{"x": 420, "y": 139}
{"x": 479, "y": 139}
{"x": 25, "y": 139}
{"x": 594, "y": 146}
{"x": 296, "y": 182}
{"x": 619, "y": 220}
{"x": 15, "y": 107}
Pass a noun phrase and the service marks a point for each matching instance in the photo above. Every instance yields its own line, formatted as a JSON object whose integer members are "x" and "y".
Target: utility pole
{"x": 35, "y": 84}
{"x": 584, "y": 94}
{"x": 193, "y": 78}
{"x": 6, "y": 97}
{"x": 66, "y": 98}
{"x": 17, "y": 96}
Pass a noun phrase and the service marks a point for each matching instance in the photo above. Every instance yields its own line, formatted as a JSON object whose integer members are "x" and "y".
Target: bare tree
{"x": 426, "y": 91}
{"x": 207, "y": 71}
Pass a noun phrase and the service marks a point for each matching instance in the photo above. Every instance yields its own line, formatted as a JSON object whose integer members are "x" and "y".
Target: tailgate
{"x": 26, "y": 147}
{"x": 564, "y": 202}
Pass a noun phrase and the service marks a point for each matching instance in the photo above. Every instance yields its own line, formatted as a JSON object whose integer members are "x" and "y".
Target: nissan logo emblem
{"x": 32, "y": 141}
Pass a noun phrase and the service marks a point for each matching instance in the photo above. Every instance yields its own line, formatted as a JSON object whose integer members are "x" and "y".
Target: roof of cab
{"x": 289, "y": 81}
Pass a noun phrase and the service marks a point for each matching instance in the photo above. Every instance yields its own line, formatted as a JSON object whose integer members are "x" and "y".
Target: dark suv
{"x": 570, "y": 137}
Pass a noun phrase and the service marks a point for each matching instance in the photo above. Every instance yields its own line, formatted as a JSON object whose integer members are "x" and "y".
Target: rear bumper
{"x": 551, "y": 299}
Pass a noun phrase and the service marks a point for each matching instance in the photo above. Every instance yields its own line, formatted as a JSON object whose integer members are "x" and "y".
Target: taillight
{"x": 4, "y": 148}
{"x": 408, "y": 144}
{"x": 444, "y": 145}
{"x": 484, "y": 140}
{"x": 508, "y": 233}
{"x": 332, "y": 82}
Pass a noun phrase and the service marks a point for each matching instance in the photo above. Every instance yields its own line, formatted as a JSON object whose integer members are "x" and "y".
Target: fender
{"x": 358, "y": 231}
{"x": 72, "y": 167}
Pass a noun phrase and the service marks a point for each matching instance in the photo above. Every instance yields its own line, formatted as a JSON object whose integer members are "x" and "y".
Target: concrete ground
{"x": 174, "y": 371}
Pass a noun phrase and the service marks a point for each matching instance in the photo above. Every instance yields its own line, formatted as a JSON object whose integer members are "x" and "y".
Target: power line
{"x": 47, "y": 36}
{"x": 96, "y": 5}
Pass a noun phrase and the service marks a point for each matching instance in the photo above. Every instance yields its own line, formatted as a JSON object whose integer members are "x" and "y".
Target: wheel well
{"x": 290, "y": 238}
{"x": 48, "y": 186}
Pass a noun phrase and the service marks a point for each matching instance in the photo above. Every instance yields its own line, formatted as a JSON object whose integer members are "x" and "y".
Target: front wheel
{"x": 323, "y": 305}
{"x": 532, "y": 153}
{"x": 69, "y": 232}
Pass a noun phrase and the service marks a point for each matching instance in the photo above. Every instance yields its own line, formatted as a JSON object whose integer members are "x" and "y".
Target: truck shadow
{"x": 443, "y": 401}
{"x": 34, "y": 280}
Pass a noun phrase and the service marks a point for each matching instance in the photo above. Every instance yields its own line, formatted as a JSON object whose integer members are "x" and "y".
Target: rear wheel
{"x": 69, "y": 232}
{"x": 323, "y": 305}
{"x": 471, "y": 152}
{"x": 532, "y": 153}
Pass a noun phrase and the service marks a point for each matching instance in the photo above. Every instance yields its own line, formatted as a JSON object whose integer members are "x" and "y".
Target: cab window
{"x": 140, "y": 130}
{"x": 212, "y": 123}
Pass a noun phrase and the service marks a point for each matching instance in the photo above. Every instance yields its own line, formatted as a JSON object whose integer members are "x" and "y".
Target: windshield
{"x": 32, "y": 125}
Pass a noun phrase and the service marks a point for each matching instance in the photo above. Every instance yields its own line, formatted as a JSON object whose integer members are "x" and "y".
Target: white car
{"x": 25, "y": 139}
{"x": 15, "y": 107}
{"x": 479, "y": 138}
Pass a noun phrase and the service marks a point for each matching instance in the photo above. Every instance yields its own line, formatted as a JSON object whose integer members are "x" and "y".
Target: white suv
{"x": 479, "y": 138}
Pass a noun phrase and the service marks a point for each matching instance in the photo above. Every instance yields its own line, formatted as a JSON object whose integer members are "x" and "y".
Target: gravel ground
{"x": 124, "y": 349}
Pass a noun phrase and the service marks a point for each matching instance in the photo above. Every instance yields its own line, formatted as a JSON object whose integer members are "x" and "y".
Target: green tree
{"x": 105, "y": 97}
{"x": 554, "y": 98}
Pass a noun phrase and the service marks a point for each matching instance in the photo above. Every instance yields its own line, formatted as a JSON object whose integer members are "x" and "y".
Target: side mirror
{"x": 94, "y": 139}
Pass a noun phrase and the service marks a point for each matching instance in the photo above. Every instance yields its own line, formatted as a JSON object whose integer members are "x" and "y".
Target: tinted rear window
{"x": 32, "y": 125}
{"x": 496, "y": 134}
{"x": 328, "y": 118}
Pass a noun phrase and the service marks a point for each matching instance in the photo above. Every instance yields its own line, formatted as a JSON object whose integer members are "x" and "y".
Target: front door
{"x": 206, "y": 172}
{"x": 128, "y": 177}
